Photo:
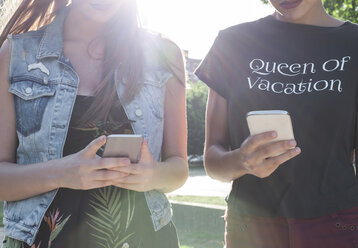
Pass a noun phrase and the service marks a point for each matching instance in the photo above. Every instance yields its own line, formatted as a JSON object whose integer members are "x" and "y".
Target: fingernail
{"x": 297, "y": 150}
{"x": 292, "y": 143}
{"x": 273, "y": 134}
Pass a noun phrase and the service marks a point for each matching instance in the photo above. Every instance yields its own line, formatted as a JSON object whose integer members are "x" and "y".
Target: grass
{"x": 214, "y": 200}
{"x": 190, "y": 239}
{"x": 187, "y": 239}
{"x": 200, "y": 240}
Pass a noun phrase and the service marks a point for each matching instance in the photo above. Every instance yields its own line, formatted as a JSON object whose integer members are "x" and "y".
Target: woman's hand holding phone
{"x": 85, "y": 170}
{"x": 271, "y": 142}
{"x": 141, "y": 176}
{"x": 141, "y": 173}
{"x": 258, "y": 153}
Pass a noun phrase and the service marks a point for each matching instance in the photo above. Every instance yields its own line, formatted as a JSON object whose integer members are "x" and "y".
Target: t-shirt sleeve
{"x": 214, "y": 70}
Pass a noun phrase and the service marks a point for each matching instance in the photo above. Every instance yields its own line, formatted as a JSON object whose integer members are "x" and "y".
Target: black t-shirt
{"x": 312, "y": 73}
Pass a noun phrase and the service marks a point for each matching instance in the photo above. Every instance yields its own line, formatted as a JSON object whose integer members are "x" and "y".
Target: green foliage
{"x": 197, "y": 94}
{"x": 213, "y": 200}
{"x": 106, "y": 223}
{"x": 57, "y": 231}
{"x": 341, "y": 9}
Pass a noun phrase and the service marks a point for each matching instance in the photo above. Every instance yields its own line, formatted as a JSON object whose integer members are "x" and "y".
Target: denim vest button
{"x": 138, "y": 112}
{"x": 45, "y": 80}
{"x": 28, "y": 90}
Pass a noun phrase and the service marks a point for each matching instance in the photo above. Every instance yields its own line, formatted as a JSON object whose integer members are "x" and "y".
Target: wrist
{"x": 158, "y": 180}
{"x": 236, "y": 162}
{"x": 55, "y": 177}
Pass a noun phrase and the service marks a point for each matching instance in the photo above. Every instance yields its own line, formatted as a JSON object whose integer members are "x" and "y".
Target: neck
{"x": 79, "y": 28}
{"x": 316, "y": 16}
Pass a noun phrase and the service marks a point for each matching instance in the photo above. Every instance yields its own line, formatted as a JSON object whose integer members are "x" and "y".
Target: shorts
{"x": 337, "y": 230}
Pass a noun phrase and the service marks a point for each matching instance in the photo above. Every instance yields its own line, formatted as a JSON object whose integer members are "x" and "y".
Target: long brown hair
{"x": 122, "y": 42}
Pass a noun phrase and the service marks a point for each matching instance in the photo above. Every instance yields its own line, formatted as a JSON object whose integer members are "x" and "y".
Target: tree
{"x": 197, "y": 94}
{"x": 341, "y": 9}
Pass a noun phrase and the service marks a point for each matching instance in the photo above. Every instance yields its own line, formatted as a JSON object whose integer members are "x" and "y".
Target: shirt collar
{"x": 51, "y": 44}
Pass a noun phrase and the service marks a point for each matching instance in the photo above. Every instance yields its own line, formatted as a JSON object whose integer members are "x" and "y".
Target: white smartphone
{"x": 271, "y": 120}
{"x": 123, "y": 145}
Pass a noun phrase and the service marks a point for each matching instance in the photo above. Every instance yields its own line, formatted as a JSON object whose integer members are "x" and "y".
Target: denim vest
{"x": 44, "y": 85}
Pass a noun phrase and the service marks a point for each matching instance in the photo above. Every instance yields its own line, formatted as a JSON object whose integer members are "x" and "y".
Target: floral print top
{"x": 109, "y": 217}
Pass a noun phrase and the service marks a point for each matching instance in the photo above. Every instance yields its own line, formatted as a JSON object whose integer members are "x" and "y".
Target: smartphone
{"x": 271, "y": 120}
{"x": 123, "y": 145}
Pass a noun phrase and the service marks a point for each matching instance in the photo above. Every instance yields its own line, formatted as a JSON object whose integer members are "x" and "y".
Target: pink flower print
{"x": 52, "y": 219}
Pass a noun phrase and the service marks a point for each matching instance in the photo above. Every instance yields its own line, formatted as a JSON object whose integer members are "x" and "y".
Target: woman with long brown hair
{"x": 72, "y": 72}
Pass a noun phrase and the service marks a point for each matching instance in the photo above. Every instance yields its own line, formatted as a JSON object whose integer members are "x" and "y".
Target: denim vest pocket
{"x": 150, "y": 93}
{"x": 31, "y": 96}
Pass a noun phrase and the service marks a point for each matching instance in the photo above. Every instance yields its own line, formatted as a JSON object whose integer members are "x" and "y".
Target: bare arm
{"x": 16, "y": 182}
{"x": 216, "y": 152}
{"x": 174, "y": 170}
{"x": 253, "y": 157}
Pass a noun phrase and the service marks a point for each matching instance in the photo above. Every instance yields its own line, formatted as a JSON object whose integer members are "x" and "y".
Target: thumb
{"x": 94, "y": 146}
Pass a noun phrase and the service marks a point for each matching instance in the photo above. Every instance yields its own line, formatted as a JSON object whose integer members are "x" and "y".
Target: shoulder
{"x": 243, "y": 34}
{"x": 171, "y": 49}
{"x": 175, "y": 58}
{"x": 157, "y": 44}
{"x": 352, "y": 28}
{"x": 28, "y": 41}
{"x": 5, "y": 54}
{"x": 240, "y": 29}
{"x": 38, "y": 34}
{"x": 163, "y": 52}
{"x": 174, "y": 54}
{"x": 347, "y": 33}
{"x": 5, "y": 51}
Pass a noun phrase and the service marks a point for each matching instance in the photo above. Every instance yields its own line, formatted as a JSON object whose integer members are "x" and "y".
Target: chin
{"x": 99, "y": 18}
{"x": 95, "y": 15}
{"x": 295, "y": 16}
{"x": 298, "y": 14}
{"x": 291, "y": 17}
